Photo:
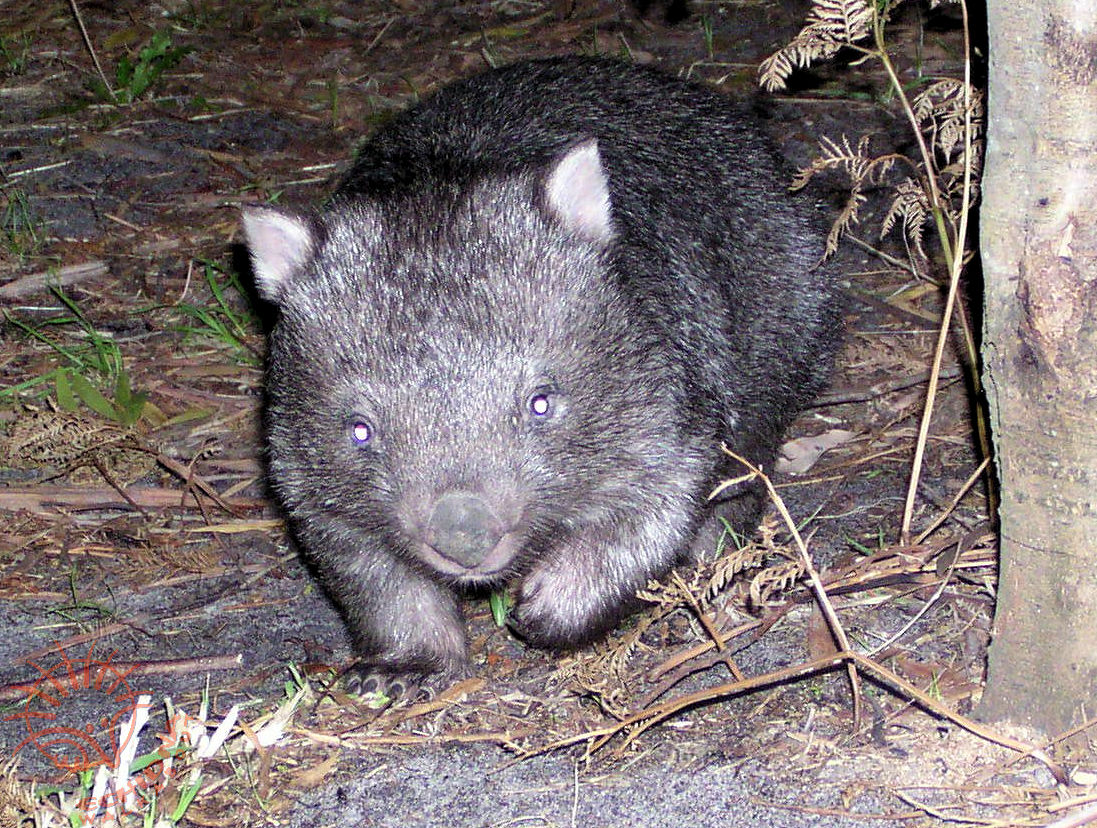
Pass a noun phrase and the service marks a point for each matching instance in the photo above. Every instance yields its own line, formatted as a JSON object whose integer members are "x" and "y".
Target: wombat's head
{"x": 456, "y": 374}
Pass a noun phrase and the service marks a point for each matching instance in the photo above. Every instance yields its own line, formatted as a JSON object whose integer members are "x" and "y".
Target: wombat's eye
{"x": 541, "y": 403}
{"x": 361, "y": 432}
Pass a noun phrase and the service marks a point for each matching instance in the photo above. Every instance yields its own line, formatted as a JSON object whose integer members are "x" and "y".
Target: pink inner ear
{"x": 279, "y": 244}
{"x": 578, "y": 193}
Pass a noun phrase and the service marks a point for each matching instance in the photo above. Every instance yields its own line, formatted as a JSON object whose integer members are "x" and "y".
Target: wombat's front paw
{"x": 546, "y": 629}
{"x": 551, "y": 617}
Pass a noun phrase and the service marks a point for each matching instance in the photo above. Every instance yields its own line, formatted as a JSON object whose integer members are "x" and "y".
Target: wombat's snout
{"x": 463, "y": 528}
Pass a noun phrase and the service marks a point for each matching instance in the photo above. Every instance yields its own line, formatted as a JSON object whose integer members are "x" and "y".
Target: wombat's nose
{"x": 463, "y": 528}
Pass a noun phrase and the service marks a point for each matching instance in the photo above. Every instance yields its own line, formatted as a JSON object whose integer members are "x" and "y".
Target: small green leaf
{"x": 187, "y": 416}
{"x": 122, "y": 395}
{"x": 500, "y": 603}
{"x": 185, "y": 799}
{"x": 129, "y": 404}
{"x": 62, "y": 386}
{"x": 93, "y": 398}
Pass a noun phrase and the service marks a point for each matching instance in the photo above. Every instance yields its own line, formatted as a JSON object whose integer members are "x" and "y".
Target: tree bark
{"x": 1039, "y": 247}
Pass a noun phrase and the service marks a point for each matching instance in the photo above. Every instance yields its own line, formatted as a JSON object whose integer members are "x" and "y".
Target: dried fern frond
{"x": 848, "y": 217}
{"x": 943, "y": 112}
{"x": 783, "y": 570}
{"x": 941, "y": 108}
{"x": 911, "y": 205}
{"x": 858, "y": 164}
{"x": 952, "y": 183}
{"x": 674, "y": 592}
{"x": 832, "y": 156}
{"x": 830, "y": 25}
{"x": 731, "y": 564}
{"x": 774, "y": 579}
{"x": 17, "y": 801}
{"x": 737, "y": 560}
{"x": 860, "y": 167}
{"x": 604, "y": 672}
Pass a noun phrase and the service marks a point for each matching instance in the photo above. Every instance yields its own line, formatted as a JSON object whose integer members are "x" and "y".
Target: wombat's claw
{"x": 361, "y": 681}
{"x": 516, "y": 626}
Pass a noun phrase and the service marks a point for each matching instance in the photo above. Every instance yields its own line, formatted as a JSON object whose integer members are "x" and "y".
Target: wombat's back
{"x": 523, "y": 116}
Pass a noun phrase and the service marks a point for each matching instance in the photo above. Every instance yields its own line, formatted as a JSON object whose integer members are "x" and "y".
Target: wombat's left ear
{"x": 577, "y": 192}
{"x": 280, "y": 244}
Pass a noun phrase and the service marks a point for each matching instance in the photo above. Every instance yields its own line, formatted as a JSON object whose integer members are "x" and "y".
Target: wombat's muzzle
{"x": 463, "y": 528}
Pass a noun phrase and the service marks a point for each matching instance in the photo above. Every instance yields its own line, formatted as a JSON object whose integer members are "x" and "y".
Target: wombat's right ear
{"x": 280, "y": 244}
{"x": 578, "y": 193}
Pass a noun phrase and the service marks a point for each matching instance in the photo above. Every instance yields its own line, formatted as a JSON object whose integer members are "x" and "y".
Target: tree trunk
{"x": 1039, "y": 246}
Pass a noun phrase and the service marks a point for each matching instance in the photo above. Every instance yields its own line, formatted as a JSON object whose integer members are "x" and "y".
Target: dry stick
{"x": 689, "y": 662}
{"x": 180, "y": 666}
{"x": 126, "y": 669}
{"x": 83, "y": 638}
{"x": 1061, "y": 737}
{"x": 880, "y": 254}
{"x": 893, "y": 77}
{"x": 877, "y": 389}
{"x": 975, "y": 475}
{"x": 91, "y": 49}
{"x": 699, "y": 650}
{"x": 816, "y": 582}
{"x": 380, "y": 34}
{"x": 700, "y": 614}
{"x": 192, "y": 481}
{"x": 505, "y": 737}
{"x": 834, "y": 812}
{"x": 956, "y": 260}
{"x": 657, "y": 713}
{"x": 982, "y": 423}
{"x": 939, "y": 814}
{"x": 1073, "y": 802}
{"x": 918, "y": 615}
{"x": 45, "y": 279}
{"x": 38, "y": 498}
{"x": 118, "y": 487}
{"x": 1086, "y": 817}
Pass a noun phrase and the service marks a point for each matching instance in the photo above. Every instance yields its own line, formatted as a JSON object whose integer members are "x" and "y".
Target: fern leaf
{"x": 830, "y": 25}
{"x": 773, "y": 580}
{"x": 911, "y": 205}
{"x": 846, "y": 219}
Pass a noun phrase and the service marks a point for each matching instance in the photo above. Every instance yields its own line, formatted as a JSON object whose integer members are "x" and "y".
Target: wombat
{"x": 510, "y": 346}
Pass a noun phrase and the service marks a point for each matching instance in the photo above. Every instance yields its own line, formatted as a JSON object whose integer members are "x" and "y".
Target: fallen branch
{"x": 46, "y": 279}
{"x": 127, "y": 669}
{"x": 43, "y": 499}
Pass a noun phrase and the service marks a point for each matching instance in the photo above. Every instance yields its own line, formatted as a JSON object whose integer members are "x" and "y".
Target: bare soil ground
{"x": 140, "y": 553}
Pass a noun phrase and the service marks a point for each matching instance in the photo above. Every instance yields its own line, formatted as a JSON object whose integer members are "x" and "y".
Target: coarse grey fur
{"x": 510, "y": 347}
